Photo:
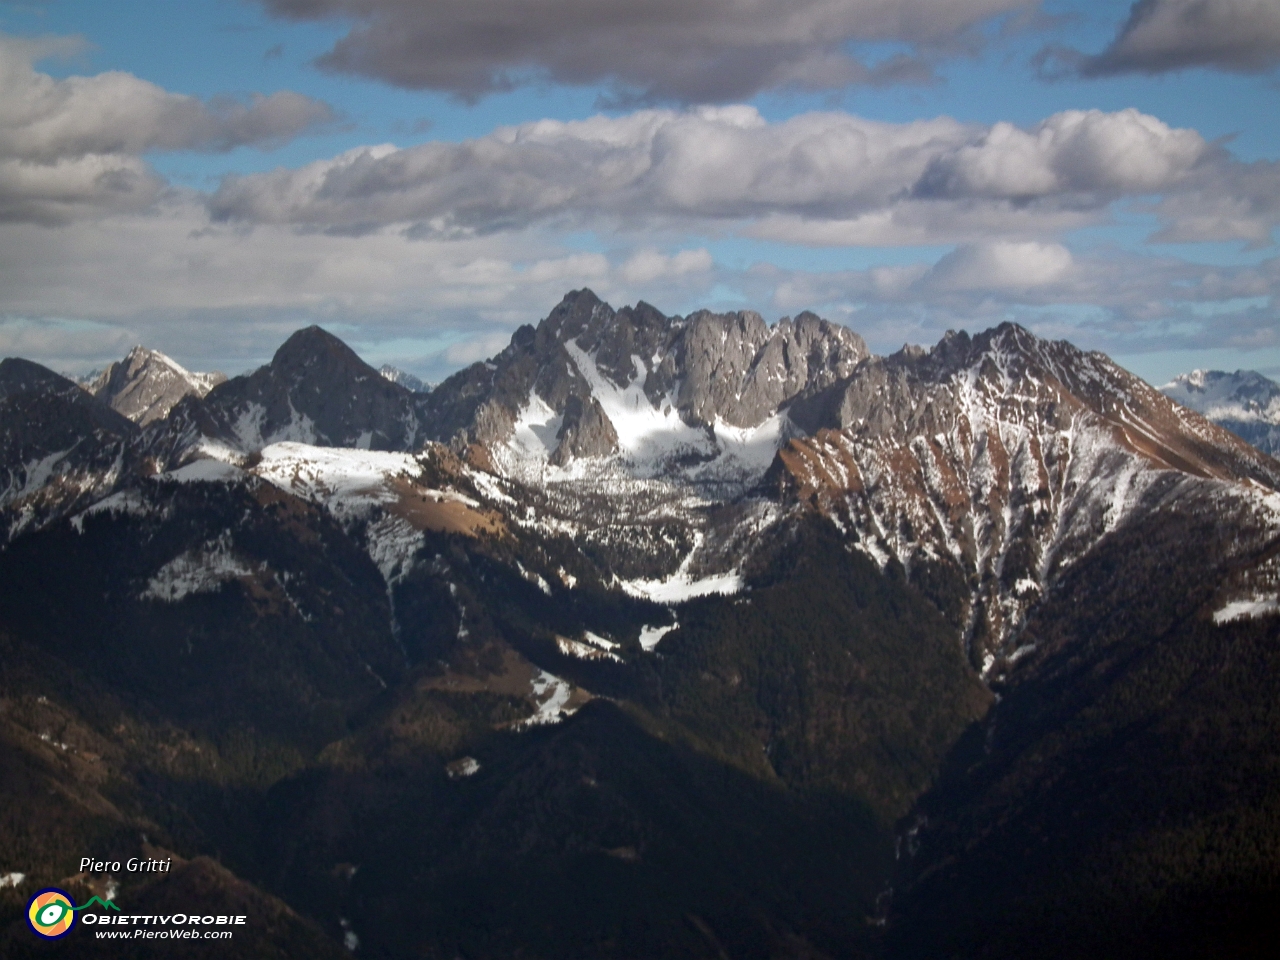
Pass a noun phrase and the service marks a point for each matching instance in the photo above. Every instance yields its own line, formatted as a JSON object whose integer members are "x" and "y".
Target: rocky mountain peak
{"x": 927, "y": 390}
{"x": 313, "y": 352}
{"x": 50, "y": 398}
{"x": 146, "y": 385}
{"x": 1245, "y": 391}
{"x": 1008, "y": 347}
{"x": 574, "y": 314}
{"x": 1000, "y": 456}
{"x": 313, "y": 357}
{"x": 315, "y": 390}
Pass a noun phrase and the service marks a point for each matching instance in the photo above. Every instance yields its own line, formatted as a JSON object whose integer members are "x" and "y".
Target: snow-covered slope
{"x": 1245, "y": 402}
{"x": 385, "y": 490}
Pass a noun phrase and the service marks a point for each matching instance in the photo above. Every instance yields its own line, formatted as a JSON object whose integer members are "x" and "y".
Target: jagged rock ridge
{"x": 656, "y": 393}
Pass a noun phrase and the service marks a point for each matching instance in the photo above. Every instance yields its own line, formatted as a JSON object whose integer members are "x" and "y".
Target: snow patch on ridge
{"x": 584, "y": 651}
{"x": 650, "y": 637}
{"x": 536, "y": 430}
{"x": 201, "y": 570}
{"x": 598, "y": 641}
{"x": 207, "y": 447}
{"x": 205, "y": 470}
{"x": 536, "y": 579}
{"x": 752, "y": 449}
{"x": 347, "y": 480}
{"x": 127, "y": 502}
{"x": 35, "y": 474}
{"x": 248, "y": 426}
{"x": 680, "y": 587}
{"x": 552, "y": 695}
{"x": 353, "y": 483}
{"x": 1250, "y": 608}
{"x": 683, "y": 585}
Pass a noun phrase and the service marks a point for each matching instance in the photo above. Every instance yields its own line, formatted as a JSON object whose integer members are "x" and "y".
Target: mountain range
{"x": 1245, "y": 402}
{"x": 403, "y": 378}
{"x": 649, "y": 636}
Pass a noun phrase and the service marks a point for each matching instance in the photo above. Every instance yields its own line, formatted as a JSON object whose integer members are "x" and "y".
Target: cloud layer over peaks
{"x": 693, "y": 51}
{"x": 817, "y": 178}
{"x": 71, "y": 148}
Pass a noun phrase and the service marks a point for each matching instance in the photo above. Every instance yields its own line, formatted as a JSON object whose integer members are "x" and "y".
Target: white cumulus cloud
{"x": 1001, "y": 266}
{"x": 816, "y": 178}
{"x": 645, "y": 266}
{"x": 1076, "y": 151}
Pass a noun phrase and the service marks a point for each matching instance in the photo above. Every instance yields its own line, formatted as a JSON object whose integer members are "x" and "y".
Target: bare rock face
{"x": 727, "y": 366}
{"x": 584, "y": 432}
{"x": 146, "y": 385}
{"x": 734, "y": 368}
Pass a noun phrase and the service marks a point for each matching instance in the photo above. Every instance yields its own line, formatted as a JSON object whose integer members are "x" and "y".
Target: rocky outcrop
{"x": 585, "y": 431}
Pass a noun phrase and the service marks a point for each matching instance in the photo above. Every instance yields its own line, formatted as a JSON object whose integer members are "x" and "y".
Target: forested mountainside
{"x": 649, "y": 637}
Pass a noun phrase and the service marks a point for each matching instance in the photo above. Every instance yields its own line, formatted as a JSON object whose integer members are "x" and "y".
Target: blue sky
{"x": 206, "y": 176}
